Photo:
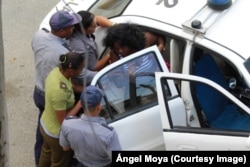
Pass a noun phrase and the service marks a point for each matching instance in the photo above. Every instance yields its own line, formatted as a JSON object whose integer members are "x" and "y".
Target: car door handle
{"x": 186, "y": 147}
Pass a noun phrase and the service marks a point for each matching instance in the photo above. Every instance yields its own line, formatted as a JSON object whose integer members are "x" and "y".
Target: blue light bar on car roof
{"x": 219, "y": 4}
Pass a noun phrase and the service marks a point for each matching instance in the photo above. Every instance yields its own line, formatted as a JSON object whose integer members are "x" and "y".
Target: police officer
{"x": 60, "y": 103}
{"x": 89, "y": 136}
{"x": 47, "y": 48}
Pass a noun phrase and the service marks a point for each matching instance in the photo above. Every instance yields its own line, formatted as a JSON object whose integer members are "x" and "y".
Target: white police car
{"x": 203, "y": 102}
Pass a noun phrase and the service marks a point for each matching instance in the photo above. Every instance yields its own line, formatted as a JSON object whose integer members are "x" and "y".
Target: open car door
{"x": 227, "y": 129}
{"x": 130, "y": 103}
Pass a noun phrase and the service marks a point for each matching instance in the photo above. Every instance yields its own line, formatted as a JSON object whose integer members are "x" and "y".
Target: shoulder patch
{"x": 71, "y": 117}
{"x": 63, "y": 86}
{"x": 106, "y": 126}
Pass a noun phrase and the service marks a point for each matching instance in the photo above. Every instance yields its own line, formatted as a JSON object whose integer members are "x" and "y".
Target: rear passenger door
{"x": 178, "y": 136}
{"x": 130, "y": 104}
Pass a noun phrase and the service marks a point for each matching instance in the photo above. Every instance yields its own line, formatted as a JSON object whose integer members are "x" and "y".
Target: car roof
{"x": 230, "y": 29}
{"x": 233, "y": 28}
{"x": 171, "y": 15}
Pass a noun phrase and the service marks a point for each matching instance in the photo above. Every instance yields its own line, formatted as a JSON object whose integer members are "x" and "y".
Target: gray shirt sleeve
{"x": 114, "y": 143}
{"x": 63, "y": 141}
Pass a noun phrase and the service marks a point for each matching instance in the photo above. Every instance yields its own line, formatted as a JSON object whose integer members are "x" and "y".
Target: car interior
{"x": 219, "y": 111}
{"x": 173, "y": 46}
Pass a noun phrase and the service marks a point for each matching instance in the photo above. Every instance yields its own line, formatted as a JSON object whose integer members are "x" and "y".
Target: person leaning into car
{"x": 59, "y": 103}
{"x": 82, "y": 39}
{"x": 47, "y": 47}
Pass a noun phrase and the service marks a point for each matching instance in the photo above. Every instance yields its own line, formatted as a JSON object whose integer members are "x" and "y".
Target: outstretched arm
{"x": 103, "y": 21}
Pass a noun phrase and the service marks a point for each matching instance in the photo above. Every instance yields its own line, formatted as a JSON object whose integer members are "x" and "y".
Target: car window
{"x": 232, "y": 79}
{"x": 130, "y": 87}
{"x": 173, "y": 47}
{"x": 215, "y": 110}
{"x": 109, "y": 8}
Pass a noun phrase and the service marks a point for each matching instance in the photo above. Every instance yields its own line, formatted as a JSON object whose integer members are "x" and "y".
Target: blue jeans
{"x": 39, "y": 100}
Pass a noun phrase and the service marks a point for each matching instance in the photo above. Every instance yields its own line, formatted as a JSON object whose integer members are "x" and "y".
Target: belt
{"x": 40, "y": 92}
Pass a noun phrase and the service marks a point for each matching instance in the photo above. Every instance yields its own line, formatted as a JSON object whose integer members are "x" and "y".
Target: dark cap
{"x": 92, "y": 95}
{"x": 62, "y": 19}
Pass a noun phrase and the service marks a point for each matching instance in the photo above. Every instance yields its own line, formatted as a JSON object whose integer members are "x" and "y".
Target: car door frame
{"x": 197, "y": 138}
{"x": 131, "y": 128}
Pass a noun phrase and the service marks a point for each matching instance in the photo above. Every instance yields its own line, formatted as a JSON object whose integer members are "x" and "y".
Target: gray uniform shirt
{"x": 80, "y": 43}
{"x": 47, "y": 49}
{"x": 91, "y": 139}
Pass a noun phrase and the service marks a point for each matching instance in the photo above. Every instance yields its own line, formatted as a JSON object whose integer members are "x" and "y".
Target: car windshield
{"x": 109, "y": 8}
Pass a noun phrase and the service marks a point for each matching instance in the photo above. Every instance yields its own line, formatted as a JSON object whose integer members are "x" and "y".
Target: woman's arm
{"x": 61, "y": 114}
{"x": 103, "y": 21}
{"x": 102, "y": 62}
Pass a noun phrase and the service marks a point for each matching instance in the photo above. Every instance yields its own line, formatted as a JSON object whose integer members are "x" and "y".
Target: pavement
{"x": 20, "y": 20}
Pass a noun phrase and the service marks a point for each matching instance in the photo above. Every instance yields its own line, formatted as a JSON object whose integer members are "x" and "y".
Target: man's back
{"x": 91, "y": 139}
{"x": 47, "y": 48}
